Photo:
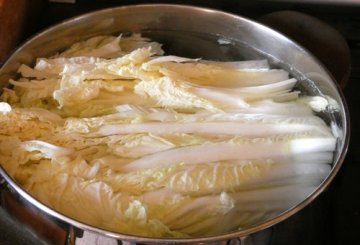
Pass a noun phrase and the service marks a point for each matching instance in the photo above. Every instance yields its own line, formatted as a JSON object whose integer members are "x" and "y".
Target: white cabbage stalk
{"x": 212, "y": 128}
{"x": 218, "y": 76}
{"x": 260, "y": 148}
{"x": 46, "y": 149}
{"x": 241, "y": 65}
{"x": 113, "y": 133}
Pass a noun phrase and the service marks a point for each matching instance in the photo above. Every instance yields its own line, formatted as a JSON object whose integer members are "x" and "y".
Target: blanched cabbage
{"x": 113, "y": 133}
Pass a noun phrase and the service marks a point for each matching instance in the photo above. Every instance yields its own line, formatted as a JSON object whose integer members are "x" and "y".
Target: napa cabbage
{"x": 114, "y": 134}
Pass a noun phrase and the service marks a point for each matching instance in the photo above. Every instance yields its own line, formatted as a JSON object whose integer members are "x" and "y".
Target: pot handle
{"x": 77, "y": 236}
{"x": 246, "y": 240}
{"x": 260, "y": 237}
{"x": 70, "y": 236}
{"x": 2, "y": 187}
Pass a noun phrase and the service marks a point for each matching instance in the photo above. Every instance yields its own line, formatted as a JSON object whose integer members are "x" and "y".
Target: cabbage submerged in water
{"x": 113, "y": 133}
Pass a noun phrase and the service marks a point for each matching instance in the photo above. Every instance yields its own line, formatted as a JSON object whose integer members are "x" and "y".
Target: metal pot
{"x": 194, "y": 32}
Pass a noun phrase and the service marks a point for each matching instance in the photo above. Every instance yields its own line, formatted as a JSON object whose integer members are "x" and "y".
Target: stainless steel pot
{"x": 195, "y": 32}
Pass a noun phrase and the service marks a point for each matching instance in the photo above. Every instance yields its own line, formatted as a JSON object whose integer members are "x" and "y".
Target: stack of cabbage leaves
{"x": 114, "y": 133}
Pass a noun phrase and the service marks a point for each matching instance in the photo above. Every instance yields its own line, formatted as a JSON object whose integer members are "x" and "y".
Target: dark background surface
{"x": 334, "y": 217}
